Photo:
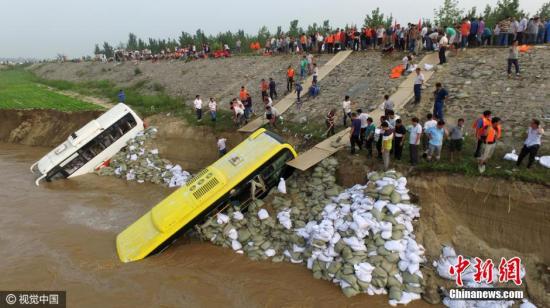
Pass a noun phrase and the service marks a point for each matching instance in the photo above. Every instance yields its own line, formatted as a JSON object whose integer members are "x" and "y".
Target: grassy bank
{"x": 465, "y": 164}
{"x": 144, "y": 104}
{"x": 19, "y": 89}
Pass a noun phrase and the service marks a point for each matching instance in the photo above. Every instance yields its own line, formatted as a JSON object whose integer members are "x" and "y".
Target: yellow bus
{"x": 247, "y": 172}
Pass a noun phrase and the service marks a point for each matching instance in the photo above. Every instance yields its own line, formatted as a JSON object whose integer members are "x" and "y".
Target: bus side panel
{"x": 108, "y": 153}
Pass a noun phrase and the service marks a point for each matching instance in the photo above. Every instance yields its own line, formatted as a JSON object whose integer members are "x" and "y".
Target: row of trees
{"x": 448, "y": 14}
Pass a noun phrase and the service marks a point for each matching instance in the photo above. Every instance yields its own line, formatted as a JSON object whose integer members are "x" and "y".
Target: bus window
{"x": 74, "y": 165}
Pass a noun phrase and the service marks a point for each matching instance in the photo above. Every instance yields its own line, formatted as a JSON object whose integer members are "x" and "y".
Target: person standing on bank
{"x": 414, "y": 140}
{"x": 355, "y": 134}
{"x": 222, "y": 148}
{"x": 346, "y": 108}
{"x": 443, "y": 44}
{"x": 418, "y": 82}
{"x": 399, "y": 139}
{"x": 198, "y": 107}
{"x": 532, "y": 143}
{"x": 440, "y": 96}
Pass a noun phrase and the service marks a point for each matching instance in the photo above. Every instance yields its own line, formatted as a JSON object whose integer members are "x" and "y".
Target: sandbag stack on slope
{"x": 140, "y": 163}
{"x": 267, "y": 231}
{"x": 357, "y": 238}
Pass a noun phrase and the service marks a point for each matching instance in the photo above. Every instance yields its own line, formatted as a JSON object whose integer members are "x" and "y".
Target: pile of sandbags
{"x": 358, "y": 238}
{"x": 140, "y": 163}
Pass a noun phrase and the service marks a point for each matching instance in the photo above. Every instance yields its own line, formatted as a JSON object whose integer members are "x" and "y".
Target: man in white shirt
{"x": 212, "y": 106}
{"x": 443, "y": 43}
{"x": 363, "y": 116}
{"x": 222, "y": 148}
{"x": 271, "y": 114}
{"x": 346, "y": 108}
{"x": 198, "y": 107}
{"x": 418, "y": 82}
{"x": 387, "y": 105}
{"x": 532, "y": 143}
{"x": 427, "y": 125}
{"x": 521, "y": 30}
{"x": 414, "y": 140}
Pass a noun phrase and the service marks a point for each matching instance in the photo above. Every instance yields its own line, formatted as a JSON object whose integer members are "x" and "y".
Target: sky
{"x": 44, "y": 28}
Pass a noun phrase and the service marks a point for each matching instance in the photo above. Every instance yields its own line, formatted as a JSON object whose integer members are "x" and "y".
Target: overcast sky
{"x": 43, "y": 28}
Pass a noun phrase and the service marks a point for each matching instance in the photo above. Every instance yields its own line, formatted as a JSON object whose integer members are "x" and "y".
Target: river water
{"x": 61, "y": 236}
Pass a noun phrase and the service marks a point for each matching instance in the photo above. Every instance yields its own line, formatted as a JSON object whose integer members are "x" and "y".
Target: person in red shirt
{"x": 242, "y": 94}
{"x": 264, "y": 86}
{"x": 465, "y": 32}
{"x": 289, "y": 78}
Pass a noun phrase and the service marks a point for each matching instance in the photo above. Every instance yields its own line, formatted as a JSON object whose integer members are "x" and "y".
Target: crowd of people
{"x": 470, "y": 32}
{"x": 389, "y": 135}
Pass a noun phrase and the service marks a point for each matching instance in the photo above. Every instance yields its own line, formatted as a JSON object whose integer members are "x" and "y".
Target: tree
{"x": 472, "y": 13}
{"x": 293, "y": 29}
{"x": 141, "y": 44}
{"x": 108, "y": 50}
{"x": 448, "y": 14}
{"x": 375, "y": 19}
{"x": 132, "y": 42}
{"x": 263, "y": 35}
{"x": 503, "y": 9}
{"x": 97, "y": 50}
{"x": 544, "y": 11}
{"x": 326, "y": 26}
{"x": 185, "y": 39}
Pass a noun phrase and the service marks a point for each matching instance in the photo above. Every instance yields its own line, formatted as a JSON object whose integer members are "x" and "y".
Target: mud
{"x": 61, "y": 236}
{"x": 41, "y": 127}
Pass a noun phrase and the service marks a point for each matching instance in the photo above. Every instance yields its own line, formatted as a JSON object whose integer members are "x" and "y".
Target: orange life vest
{"x": 242, "y": 95}
{"x": 330, "y": 39}
{"x": 481, "y": 131}
{"x": 290, "y": 73}
{"x": 493, "y": 134}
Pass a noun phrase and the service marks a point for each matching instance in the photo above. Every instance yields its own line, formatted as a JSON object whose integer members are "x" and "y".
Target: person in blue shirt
{"x": 472, "y": 40}
{"x": 436, "y": 135}
{"x": 121, "y": 96}
{"x": 440, "y": 95}
{"x": 355, "y": 134}
{"x": 547, "y": 27}
{"x": 298, "y": 89}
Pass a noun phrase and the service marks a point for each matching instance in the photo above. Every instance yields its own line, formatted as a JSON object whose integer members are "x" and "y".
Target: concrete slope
{"x": 333, "y": 144}
{"x": 290, "y": 99}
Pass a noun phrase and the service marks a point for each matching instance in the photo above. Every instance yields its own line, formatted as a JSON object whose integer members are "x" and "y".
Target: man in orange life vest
{"x": 242, "y": 94}
{"x": 479, "y": 129}
{"x": 289, "y": 78}
{"x": 493, "y": 134}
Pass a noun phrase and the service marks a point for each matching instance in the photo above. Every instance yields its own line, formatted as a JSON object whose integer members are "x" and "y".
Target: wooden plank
{"x": 400, "y": 98}
{"x": 286, "y": 102}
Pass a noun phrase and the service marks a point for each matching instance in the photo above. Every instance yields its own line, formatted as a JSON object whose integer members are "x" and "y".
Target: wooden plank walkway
{"x": 335, "y": 143}
{"x": 289, "y": 100}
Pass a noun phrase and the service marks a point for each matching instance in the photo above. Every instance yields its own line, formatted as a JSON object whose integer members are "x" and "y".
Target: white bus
{"x": 91, "y": 146}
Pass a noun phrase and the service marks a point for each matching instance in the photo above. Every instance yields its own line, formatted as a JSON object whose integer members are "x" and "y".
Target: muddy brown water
{"x": 61, "y": 236}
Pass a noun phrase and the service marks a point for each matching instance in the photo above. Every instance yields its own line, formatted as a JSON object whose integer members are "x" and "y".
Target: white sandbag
{"x": 545, "y": 161}
{"x": 428, "y": 67}
{"x": 394, "y": 246}
{"x": 448, "y": 251}
{"x": 282, "y": 186}
{"x": 284, "y": 219}
{"x": 236, "y": 245}
{"x": 511, "y": 156}
{"x": 238, "y": 215}
{"x": 270, "y": 252}
{"x": 222, "y": 219}
{"x": 263, "y": 214}
{"x": 233, "y": 234}
{"x": 527, "y": 304}
{"x": 355, "y": 244}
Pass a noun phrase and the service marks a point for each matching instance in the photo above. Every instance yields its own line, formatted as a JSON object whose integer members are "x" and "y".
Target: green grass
{"x": 465, "y": 164}
{"x": 19, "y": 89}
{"x": 146, "y": 104}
